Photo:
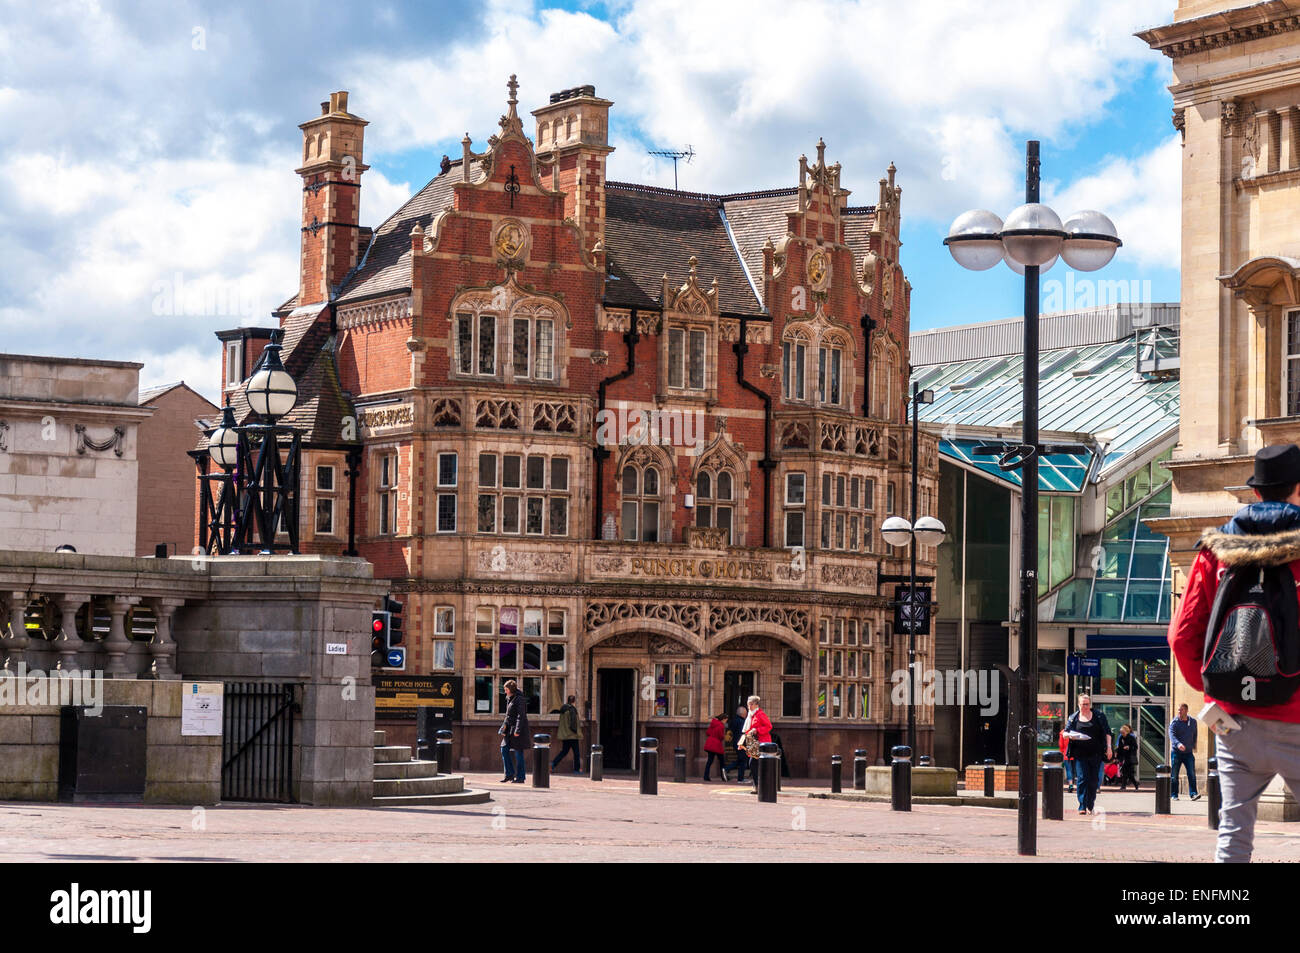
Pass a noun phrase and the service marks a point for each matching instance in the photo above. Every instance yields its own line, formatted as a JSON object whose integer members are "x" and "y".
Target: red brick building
{"x": 165, "y": 500}
{"x": 611, "y": 440}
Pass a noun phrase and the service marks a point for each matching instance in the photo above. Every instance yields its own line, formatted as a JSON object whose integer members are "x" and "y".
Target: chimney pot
{"x": 325, "y": 108}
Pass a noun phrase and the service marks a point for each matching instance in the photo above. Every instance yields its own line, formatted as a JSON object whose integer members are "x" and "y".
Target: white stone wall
{"x": 56, "y": 487}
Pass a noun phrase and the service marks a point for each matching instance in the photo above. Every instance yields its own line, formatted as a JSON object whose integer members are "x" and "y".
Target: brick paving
{"x": 580, "y": 820}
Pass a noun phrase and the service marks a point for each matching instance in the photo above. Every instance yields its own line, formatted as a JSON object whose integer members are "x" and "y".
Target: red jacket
{"x": 713, "y": 741}
{"x": 1187, "y": 629}
{"x": 761, "y": 725}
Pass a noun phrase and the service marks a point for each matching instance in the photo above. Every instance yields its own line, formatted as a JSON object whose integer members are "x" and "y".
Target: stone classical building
{"x": 69, "y": 439}
{"x": 1236, "y": 94}
{"x": 617, "y": 441}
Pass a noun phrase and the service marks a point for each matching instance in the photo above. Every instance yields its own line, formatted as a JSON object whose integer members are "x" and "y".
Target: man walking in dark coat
{"x": 514, "y": 734}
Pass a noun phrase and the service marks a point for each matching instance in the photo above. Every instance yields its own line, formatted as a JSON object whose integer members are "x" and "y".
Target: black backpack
{"x": 1252, "y": 642}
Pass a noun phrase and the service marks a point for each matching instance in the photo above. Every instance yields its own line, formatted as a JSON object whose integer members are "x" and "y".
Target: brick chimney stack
{"x": 331, "y": 198}
{"x": 573, "y": 130}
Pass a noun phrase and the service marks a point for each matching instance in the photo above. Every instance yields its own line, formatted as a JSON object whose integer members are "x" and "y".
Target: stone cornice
{"x": 1226, "y": 28}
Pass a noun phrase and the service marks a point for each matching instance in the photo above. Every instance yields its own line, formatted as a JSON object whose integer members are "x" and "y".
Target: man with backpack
{"x": 568, "y": 733}
{"x": 1236, "y": 637}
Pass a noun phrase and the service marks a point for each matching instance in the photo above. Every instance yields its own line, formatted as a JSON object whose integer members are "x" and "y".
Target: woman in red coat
{"x": 758, "y": 727}
{"x": 713, "y": 745}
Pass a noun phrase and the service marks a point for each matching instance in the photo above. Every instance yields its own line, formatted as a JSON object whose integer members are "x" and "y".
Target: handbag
{"x": 751, "y": 744}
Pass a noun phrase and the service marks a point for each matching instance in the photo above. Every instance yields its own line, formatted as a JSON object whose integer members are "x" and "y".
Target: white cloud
{"x": 1143, "y": 196}
{"x": 138, "y": 158}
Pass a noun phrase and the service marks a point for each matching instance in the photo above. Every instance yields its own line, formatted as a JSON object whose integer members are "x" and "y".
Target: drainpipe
{"x": 868, "y": 325}
{"x": 767, "y": 464}
{"x": 600, "y": 454}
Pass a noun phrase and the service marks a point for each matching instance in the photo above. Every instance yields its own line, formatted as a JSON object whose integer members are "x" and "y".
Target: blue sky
{"x": 151, "y": 146}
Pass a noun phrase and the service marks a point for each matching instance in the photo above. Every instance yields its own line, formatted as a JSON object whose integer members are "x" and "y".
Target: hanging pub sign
{"x": 912, "y": 610}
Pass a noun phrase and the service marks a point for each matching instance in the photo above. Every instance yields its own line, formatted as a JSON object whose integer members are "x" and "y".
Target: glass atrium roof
{"x": 1095, "y": 389}
{"x": 1057, "y": 472}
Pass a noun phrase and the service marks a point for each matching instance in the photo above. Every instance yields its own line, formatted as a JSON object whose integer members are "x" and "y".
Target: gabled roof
{"x": 151, "y": 394}
{"x": 651, "y": 232}
{"x": 386, "y": 263}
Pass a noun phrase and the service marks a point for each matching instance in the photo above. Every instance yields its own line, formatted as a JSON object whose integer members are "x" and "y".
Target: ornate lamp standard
{"x": 271, "y": 490}
{"x": 925, "y": 531}
{"x": 1029, "y": 242}
{"x": 220, "y": 510}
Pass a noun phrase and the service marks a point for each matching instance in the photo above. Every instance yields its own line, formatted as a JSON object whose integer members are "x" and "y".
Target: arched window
{"x": 830, "y": 366}
{"x": 641, "y": 498}
{"x": 715, "y": 500}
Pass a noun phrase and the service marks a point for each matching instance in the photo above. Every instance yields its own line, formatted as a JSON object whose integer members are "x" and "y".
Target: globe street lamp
{"x": 272, "y": 487}
{"x": 925, "y": 531}
{"x": 219, "y": 516}
{"x": 1029, "y": 241}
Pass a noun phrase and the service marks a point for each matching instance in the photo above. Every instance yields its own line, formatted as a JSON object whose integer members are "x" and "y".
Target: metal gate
{"x": 257, "y": 747}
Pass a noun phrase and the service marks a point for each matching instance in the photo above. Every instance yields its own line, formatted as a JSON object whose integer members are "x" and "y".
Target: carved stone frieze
{"x": 499, "y": 559}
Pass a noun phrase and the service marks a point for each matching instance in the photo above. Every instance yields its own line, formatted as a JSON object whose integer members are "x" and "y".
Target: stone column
{"x": 162, "y": 648}
{"x": 13, "y": 647}
{"x": 1287, "y": 156}
{"x": 68, "y": 643}
{"x": 117, "y": 644}
{"x": 1257, "y": 370}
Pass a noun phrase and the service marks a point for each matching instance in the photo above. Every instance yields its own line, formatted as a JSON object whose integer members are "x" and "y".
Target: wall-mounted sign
{"x": 398, "y": 696}
{"x": 201, "y": 708}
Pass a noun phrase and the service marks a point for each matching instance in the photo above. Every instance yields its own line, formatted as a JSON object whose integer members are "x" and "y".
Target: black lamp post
{"x": 1029, "y": 242}
{"x": 220, "y": 509}
{"x": 271, "y": 491}
{"x": 924, "y": 531}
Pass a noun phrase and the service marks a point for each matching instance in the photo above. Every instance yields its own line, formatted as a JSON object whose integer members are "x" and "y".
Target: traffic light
{"x": 379, "y": 631}
{"x": 394, "y": 610}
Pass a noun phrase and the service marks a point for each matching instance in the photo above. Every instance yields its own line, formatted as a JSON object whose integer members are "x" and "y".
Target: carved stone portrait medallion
{"x": 819, "y": 270}
{"x": 511, "y": 242}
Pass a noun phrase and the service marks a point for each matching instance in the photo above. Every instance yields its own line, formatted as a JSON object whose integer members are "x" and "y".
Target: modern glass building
{"x": 1108, "y": 398}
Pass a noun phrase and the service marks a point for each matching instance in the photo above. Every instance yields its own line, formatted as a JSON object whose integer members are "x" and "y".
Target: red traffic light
{"x": 377, "y": 625}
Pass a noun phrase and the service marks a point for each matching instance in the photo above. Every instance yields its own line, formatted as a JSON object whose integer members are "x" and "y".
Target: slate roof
{"x": 308, "y": 355}
{"x": 650, "y": 230}
{"x": 386, "y": 264}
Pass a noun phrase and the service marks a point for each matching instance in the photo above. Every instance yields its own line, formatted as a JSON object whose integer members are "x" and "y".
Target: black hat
{"x": 1276, "y": 465}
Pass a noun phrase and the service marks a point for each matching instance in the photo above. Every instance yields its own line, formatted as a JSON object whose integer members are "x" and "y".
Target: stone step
{"x": 468, "y": 796}
{"x": 391, "y": 770}
{"x": 379, "y": 739}
{"x": 392, "y": 753}
{"x": 446, "y": 784}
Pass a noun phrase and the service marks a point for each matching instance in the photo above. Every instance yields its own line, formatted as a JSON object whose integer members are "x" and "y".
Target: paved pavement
{"x": 580, "y": 820}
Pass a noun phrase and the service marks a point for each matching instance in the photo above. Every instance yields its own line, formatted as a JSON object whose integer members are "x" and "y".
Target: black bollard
{"x": 649, "y": 765}
{"x": 1053, "y": 786}
{"x": 597, "y": 762}
{"x": 988, "y": 777}
{"x": 541, "y": 761}
{"x": 780, "y": 756}
{"x": 442, "y": 751}
{"x": 837, "y": 774}
{"x": 769, "y": 766}
{"x": 925, "y": 762}
{"x": 679, "y": 764}
{"x": 1214, "y": 795}
{"x": 900, "y": 779}
{"x": 1162, "y": 789}
{"x": 860, "y": 769}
